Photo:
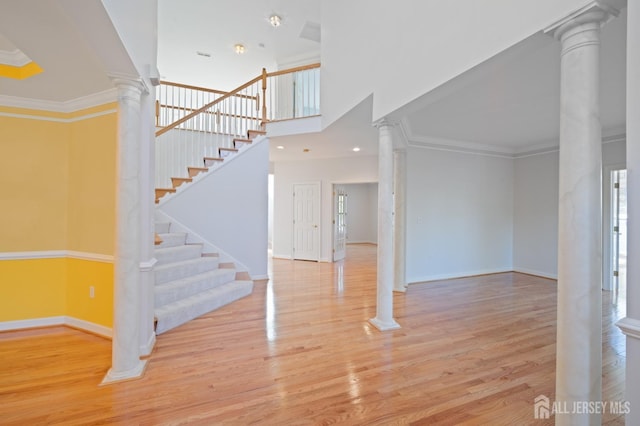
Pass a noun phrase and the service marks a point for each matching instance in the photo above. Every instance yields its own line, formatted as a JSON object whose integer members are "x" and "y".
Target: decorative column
{"x": 384, "y": 309}
{"x": 399, "y": 218}
{"x": 125, "y": 362}
{"x": 630, "y": 325}
{"x": 147, "y": 223}
{"x": 579, "y": 335}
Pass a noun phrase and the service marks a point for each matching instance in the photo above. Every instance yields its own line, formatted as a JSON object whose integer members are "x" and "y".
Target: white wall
{"x": 229, "y": 207}
{"x": 362, "y": 213}
{"x": 535, "y": 236}
{"x": 535, "y": 233}
{"x": 325, "y": 171}
{"x": 459, "y": 214}
{"x": 408, "y": 48}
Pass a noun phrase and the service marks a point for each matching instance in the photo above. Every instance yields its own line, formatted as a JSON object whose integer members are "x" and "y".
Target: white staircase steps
{"x": 189, "y": 283}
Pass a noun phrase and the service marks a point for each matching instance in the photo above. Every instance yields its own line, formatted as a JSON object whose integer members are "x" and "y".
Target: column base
{"x": 384, "y": 325}
{"x": 147, "y": 349}
{"x": 131, "y": 374}
{"x": 402, "y": 289}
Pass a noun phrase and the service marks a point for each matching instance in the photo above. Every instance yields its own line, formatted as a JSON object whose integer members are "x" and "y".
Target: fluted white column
{"x": 399, "y": 218}
{"x": 579, "y": 338}
{"x": 630, "y": 325}
{"x": 125, "y": 362}
{"x": 384, "y": 308}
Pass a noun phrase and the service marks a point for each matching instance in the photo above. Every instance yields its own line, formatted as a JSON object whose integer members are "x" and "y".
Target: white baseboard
{"x": 59, "y": 320}
{"x": 91, "y": 327}
{"x": 259, "y": 277}
{"x": 452, "y": 276}
{"x": 536, "y": 273}
{"x": 147, "y": 348}
{"x": 282, "y": 256}
{"x": 32, "y": 323}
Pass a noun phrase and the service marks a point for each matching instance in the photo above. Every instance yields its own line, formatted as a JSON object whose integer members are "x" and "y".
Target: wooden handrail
{"x": 203, "y": 89}
{"x": 262, "y": 77}
{"x": 207, "y": 106}
{"x": 292, "y": 70}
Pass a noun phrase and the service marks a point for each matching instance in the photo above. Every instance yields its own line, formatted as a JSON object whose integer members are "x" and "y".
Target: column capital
{"x": 595, "y": 12}
{"x": 129, "y": 82}
{"x": 384, "y": 122}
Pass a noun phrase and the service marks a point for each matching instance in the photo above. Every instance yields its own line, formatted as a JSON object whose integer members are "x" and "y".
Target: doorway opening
{"x": 619, "y": 235}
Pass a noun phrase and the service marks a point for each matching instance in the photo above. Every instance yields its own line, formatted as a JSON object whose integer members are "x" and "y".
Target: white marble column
{"x": 384, "y": 308}
{"x": 399, "y": 218}
{"x": 125, "y": 362}
{"x": 579, "y": 335}
{"x": 631, "y": 324}
{"x": 147, "y": 222}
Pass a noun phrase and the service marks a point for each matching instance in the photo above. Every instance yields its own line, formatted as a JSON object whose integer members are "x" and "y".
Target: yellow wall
{"x": 92, "y": 176}
{"x": 34, "y": 164}
{"x": 58, "y": 194}
{"x": 83, "y": 274}
{"x": 32, "y": 288}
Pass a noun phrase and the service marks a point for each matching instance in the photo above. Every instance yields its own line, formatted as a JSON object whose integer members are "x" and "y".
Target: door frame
{"x": 607, "y": 225}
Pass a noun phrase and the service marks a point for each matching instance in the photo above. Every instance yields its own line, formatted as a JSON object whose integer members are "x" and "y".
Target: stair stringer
{"x": 226, "y": 208}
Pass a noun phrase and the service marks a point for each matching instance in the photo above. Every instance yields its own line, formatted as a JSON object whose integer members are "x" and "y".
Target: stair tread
{"x": 228, "y": 287}
{"x": 187, "y": 262}
{"x": 228, "y": 149}
{"x": 196, "y": 277}
{"x": 214, "y": 158}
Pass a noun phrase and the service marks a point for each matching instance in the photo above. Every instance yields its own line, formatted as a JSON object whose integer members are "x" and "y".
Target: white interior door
{"x": 306, "y": 221}
{"x": 339, "y": 222}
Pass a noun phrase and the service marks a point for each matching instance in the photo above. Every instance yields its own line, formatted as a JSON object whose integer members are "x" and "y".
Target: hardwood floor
{"x": 299, "y": 351}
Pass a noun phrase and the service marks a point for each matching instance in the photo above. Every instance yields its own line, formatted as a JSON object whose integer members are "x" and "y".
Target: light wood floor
{"x": 299, "y": 351}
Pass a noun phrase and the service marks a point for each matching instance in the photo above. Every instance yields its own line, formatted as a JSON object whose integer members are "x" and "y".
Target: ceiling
{"x": 187, "y": 27}
{"x": 508, "y": 105}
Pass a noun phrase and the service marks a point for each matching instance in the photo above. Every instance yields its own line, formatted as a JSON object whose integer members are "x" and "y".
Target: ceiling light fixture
{"x": 356, "y": 148}
{"x": 275, "y": 20}
{"x": 239, "y": 48}
{"x": 280, "y": 147}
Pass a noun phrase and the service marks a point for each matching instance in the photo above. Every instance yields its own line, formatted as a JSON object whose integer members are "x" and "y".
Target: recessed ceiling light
{"x": 356, "y": 148}
{"x": 239, "y": 48}
{"x": 275, "y": 20}
{"x": 280, "y": 147}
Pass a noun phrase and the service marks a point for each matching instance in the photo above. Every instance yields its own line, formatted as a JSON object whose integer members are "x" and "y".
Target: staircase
{"x": 208, "y": 162}
{"x": 190, "y": 283}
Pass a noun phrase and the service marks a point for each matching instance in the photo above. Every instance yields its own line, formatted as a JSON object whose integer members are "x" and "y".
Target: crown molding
{"x": 73, "y": 105}
{"x": 14, "y": 58}
{"x": 611, "y": 135}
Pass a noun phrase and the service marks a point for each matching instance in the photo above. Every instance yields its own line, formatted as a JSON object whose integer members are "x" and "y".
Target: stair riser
{"x": 177, "y": 254}
{"x": 206, "y": 302}
{"x": 164, "y": 274}
{"x": 172, "y": 240}
{"x": 171, "y": 292}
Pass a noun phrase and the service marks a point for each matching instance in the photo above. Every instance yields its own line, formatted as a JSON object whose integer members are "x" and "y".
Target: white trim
{"x": 535, "y": 273}
{"x": 15, "y": 58}
{"x": 282, "y": 256}
{"x": 59, "y": 320}
{"x": 57, "y": 119}
{"x": 259, "y": 277}
{"x": 146, "y": 349}
{"x": 31, "y": 323}
{"x": 452, "y": 276}
{"x": 73, "y": 105}
{"x": 91, "y": 327}
{"x": 148, "y": 265}
{"x": 26, "y": 255}
{"x": 95, "y": 257}
{"x": 56, "y": 254}
{"x": 630, "y": 327}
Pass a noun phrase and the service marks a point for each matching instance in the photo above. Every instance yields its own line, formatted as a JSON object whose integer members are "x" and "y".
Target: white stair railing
{"x": 193, "y": 123}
